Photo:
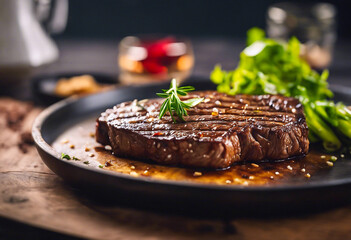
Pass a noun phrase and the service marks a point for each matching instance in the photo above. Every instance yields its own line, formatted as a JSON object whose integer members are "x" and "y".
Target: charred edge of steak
{"x": 179, "y": 152}
{"x": 101, "y": 134}
{"x": 206, "y": 140}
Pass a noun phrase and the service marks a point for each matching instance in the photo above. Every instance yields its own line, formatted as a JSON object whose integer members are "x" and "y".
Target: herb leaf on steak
{"x": 173, "y": 104}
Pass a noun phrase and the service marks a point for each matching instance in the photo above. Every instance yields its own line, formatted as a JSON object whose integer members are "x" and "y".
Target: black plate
{"x": 334, "y": 189}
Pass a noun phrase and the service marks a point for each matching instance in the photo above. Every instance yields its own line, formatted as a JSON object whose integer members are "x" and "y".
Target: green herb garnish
{"x": 173, "y": 104}
{"x": 75, "y": 158}
{"x": 268, "y": 66}
{"x": 100, "y": 166}
{"x": 86, "y": 162}
{"x": 65, "y": 156}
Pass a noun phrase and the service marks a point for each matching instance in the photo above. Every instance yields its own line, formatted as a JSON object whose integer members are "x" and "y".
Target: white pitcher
{"x": 24, "y": 44}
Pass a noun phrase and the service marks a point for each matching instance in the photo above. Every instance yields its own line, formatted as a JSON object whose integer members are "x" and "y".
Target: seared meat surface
{"x": 219, "y": 131}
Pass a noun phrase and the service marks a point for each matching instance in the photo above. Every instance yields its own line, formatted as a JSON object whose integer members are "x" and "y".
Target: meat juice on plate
{"x": 79, "y": 142}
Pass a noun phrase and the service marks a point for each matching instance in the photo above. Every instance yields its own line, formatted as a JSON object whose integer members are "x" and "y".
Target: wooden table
{"x": 33, "y": 195}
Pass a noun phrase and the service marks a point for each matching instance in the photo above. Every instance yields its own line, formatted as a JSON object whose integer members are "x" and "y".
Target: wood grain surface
{"x": 32, "y": 194}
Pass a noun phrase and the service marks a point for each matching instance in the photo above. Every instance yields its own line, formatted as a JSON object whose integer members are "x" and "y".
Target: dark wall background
{"x": 228, "y": 18}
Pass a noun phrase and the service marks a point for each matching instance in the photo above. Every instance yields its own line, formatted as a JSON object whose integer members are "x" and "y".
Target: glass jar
{"x": 313, "y": 24}
{"x": 152, "y": 59}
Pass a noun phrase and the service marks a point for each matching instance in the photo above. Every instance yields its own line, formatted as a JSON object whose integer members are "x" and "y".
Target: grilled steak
{"x": 219, "y": 131}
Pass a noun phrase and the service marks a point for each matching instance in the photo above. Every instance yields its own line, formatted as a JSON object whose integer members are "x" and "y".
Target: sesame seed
{"x": 132, "y": 167}
{"x": 190, "y": 145}
{"x": 134, "y": 174}
{"x": 251, "y": 177}
{"x": 191, "y": 151}
{"x": 143, "y": 101}
{"x": 164, "y": 150}
{"x": 308, "y": 175}
{"x": 218, "y": 103}
{"x": 91, "y": 155}
{"x": 108, "y": 148}
{"x": 271, "y": 177}
{"x": 197, "y": 174}
{"x": 245, "y": 183}
{"x": 330, "y": 164}
{"x": 293, "y": 110}
{"x": 146, "y": 172}
{"x": 207, "y": 100}
{"x": 289, "y": 167}
{"x": 323, "y": 156}
{"x": 87, "y": 149}
{"x": 65, "y": 141}
{"x": 158, "y": 145}
{"x": 254, "y": 165}
{"x": 169, "y": 156}
{"x": 303, "y": 170}
{"x": 228, "y": 181}
{"x": 342, "y": 155}
{"x": 276, "y": 173}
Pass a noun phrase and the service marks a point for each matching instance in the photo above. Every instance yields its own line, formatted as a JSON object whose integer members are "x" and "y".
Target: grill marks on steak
{"x": 247, "y": 128}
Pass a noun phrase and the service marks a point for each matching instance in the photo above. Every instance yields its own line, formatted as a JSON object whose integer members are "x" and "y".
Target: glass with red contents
{"x": 150, "y": 59}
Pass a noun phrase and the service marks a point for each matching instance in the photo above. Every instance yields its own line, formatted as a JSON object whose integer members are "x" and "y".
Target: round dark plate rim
{"x": 47, "y": 148}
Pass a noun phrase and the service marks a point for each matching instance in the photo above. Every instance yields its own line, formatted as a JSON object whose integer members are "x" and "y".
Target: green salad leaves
{"x": 268, "y": 66}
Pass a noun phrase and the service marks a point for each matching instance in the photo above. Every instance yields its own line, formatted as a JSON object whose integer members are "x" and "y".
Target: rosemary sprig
{"x": 173, "y": 104}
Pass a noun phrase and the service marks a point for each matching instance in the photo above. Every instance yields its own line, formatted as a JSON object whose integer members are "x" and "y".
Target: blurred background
{"x": 85, "y": 37}
{"x": 212, "y": 25}
{"x": 198, "y": 18}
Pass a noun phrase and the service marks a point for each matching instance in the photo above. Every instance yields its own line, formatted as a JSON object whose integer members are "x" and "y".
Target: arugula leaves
{"x": 268, "y": 66}
{"x": 173, "y": 104}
